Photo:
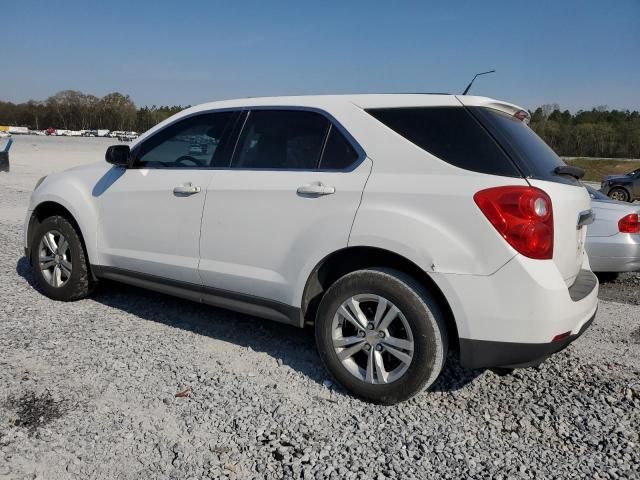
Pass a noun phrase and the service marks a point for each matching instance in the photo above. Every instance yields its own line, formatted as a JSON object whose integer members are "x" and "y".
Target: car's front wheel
{"x": 381, "y": 334}
{"x": 619, "y": 194}
{"x": 59, "y": 261}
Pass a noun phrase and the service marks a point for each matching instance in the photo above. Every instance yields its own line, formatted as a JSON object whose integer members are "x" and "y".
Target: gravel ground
{"x": 625, "y": 288}
{"x": 89, "y": 391}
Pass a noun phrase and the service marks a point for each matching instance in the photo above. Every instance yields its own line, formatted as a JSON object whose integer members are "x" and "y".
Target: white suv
{"x": 401, "y": 226}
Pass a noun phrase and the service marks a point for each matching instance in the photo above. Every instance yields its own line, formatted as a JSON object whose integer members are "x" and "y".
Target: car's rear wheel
{"x": 619, "y": 194}
{"x": 381, "y": 335}
{"x": 59, "y": 261}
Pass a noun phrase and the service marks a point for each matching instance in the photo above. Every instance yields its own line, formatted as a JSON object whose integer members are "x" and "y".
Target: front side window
{"x": 194, "y": 142}
{"x": 281, "y": 139}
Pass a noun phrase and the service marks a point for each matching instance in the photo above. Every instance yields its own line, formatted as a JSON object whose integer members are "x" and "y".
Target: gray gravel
{"x": 88, "y": 391}
{"x": 625, "y": 288}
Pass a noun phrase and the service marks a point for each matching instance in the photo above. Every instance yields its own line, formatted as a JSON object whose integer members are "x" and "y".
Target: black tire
{"x": 621, "y": 193}
{"x": 420, "y": 310}
{"x": 79, "y": 283}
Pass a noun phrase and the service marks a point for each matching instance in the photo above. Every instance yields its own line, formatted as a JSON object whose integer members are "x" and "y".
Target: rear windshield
{"x": 534, "y": 157}
{"x": 450, "y": 133}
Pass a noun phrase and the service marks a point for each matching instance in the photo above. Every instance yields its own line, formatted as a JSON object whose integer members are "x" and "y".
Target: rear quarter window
{"x": 452, "y": 134}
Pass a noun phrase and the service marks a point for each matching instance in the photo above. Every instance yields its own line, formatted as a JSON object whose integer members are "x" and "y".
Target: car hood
{"x": 618, "y": 177}
{"x": 97, "y": 166}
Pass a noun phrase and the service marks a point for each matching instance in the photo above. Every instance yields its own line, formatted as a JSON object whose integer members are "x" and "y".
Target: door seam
{"x": 360, "y": 202}
{"x": 204, "y": 206}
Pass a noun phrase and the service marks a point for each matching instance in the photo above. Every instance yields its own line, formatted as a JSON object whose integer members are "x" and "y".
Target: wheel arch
{"x": 350, "y": 259}
{"x": 49, "y": 208}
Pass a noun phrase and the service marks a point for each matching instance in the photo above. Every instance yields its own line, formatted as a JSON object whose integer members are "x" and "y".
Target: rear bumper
{"x": 617, "y": 253}
{"x": 513, "y": 316}
{"x": 484, "y": 353}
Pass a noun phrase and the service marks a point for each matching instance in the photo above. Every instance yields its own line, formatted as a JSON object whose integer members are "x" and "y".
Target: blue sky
{"x": 577, "y": 53}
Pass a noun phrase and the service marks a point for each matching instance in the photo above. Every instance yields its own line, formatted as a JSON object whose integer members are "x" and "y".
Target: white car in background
{"x": 613, "y": 240}
{"x": 399, "y": 225}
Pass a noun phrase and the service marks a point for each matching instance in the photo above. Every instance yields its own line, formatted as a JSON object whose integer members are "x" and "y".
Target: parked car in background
{"x": 4, "y": 155}
{"x": 399, "y": 225}
{"x": 613, "y": 240}
{"x": 624, "y": 188}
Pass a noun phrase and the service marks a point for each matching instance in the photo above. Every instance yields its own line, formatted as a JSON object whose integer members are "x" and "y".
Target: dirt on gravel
{"x": 33, "y": 411}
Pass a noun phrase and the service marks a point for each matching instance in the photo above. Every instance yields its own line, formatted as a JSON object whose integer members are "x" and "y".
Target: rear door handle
{"x": 186, "y": 189}
{"x": 316, "y": 188}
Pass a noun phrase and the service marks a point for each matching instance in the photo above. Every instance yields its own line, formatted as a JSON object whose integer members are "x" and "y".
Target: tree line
{"x": 599, "y": 132}
{"x": 74, "y": 110}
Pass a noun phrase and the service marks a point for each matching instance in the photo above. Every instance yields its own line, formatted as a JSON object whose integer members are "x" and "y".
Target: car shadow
{"x": 291, "y": 346}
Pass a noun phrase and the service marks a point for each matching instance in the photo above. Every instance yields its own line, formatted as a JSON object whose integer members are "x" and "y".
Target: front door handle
{"x": 316, "y": 188}
{"x": 186, "y": 189}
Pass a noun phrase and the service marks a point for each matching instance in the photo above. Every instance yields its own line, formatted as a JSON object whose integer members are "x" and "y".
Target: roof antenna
{"x": 474, "y": 78}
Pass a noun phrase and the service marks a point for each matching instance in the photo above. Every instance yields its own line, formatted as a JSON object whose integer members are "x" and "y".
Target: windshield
{"x": 634, "y": 173}
{"x": 595, "y": 194}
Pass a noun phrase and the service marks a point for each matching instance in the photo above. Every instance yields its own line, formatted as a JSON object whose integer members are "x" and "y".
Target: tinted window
{"x": 338, "y": 152}
{"x": 192, "y": 142}
{"x": 451, "y": 134}
{"x": 281, "y": 139}
{"x": 534, "y": 157}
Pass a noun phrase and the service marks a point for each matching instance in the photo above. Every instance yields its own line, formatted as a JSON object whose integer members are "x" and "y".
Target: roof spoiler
{"x": 508, "y": 108}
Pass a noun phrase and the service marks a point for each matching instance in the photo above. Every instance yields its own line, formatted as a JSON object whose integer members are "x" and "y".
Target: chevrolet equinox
{"x": 400, "y": 226}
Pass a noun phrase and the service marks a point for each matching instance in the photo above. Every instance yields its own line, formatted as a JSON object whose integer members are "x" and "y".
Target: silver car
{"x": 613, "y": 240}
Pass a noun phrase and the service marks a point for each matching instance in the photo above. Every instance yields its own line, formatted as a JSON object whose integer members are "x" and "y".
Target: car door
{"x": 288, "y": 200}
{"x": 150, "y": 214}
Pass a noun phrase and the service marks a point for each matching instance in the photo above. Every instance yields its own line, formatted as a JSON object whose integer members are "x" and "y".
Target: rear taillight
{"x": 629, "y": 224}
{"x": 523, "y": 216}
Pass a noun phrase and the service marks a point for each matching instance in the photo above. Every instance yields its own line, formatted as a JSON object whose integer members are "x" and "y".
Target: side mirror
{"x": 118, "y": 155}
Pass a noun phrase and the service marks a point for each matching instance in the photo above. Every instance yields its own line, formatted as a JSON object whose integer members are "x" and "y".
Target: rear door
{"x": 288, "y": 200}
{"x": 538, "y": 163}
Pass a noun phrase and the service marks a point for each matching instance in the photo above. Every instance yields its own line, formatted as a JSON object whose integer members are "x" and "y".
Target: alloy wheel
{"x": 372, "y": 339}
{"x": 54, "y": 258}
{"x": 619, "y": 195}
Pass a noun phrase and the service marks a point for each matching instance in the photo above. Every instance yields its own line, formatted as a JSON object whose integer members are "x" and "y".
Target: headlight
{"x": 39, "y": 182}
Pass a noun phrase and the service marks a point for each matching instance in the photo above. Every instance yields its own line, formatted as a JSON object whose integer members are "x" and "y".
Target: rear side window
{"x": 338, "y": 152}
{"x": 450, "y": 133}
{"x": 281, "y": 139}
{"x": 534, "y": 157}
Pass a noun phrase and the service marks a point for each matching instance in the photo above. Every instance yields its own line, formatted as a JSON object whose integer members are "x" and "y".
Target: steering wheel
{"x": 188, "y": 158}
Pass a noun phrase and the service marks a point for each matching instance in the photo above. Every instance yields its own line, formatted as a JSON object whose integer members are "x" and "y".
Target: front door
{"x": 150, "y": 214}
